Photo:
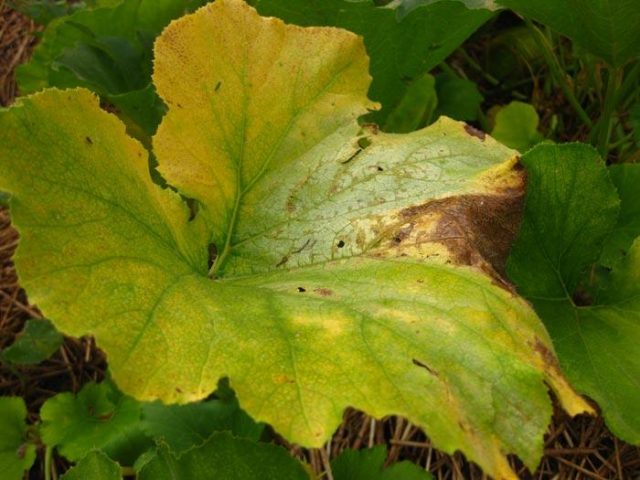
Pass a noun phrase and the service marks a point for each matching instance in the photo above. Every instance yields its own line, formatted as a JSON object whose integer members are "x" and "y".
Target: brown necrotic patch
{"x": 476, "y": 229}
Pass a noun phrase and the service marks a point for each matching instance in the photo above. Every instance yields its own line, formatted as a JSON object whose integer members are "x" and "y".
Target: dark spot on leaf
{"x": 178, "y": 390}
{"x": 217, "y": 87}
{"x": 194, "y": 207}
{"x": 22, "y": 451}
{"x": 324, "y": 292}
{"x": 582, "y": 298}
{"x": 364, "y": 142}
{"x": 180, "y": 106}
{"x": 420, "y": 364}
{"x": 420, "y": 280}
{"x": 474, "y": 132}
{"x": 88, "y": 140}
{"x": 403, "y": 233}
{"x": 354, "y": 155}
{"x": 340, "y": 244}
{"x": 372, "y": 128}
{"x": 301, "y": 289}
{"x": 213, "y": 254}
{"x": 284, "y": 260}
{"x": 546, "y": 354}
{"x": 379, "y": 168}
{"x": 105, "y": 417}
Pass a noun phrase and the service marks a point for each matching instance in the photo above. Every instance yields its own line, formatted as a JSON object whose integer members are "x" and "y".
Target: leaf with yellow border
{"x": 353, "y": 268}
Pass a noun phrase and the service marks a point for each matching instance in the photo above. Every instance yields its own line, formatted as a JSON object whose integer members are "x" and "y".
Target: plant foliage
{"x": 341, "y": 276}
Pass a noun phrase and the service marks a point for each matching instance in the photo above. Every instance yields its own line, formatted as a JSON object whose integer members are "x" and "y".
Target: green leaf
{"x": 405, "y": 40}
{"x": 44, "y": 11}
{"x": 606, "y": 28}
{"x": 457, "y": 98}
{"x": 17, "y": 454}
{"x": 97, "y": 418}
{"x": 223, "y": 456}
{"x": 570, "y": 208}
{"x": 368, "y": 464}
{"x": 626, "y": 178}
{"x": 516, "y": 126}
{"x": 95, "y": 466}
{"x": 183, "y": 426}
{"x": 416, "y": 108}
{"x": 108, "y": 50}
{"x": 351, "y": 264}
{"x": 37, "y": 342}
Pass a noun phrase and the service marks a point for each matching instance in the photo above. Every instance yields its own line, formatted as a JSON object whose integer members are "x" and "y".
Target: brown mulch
{"x": 16, "y": 42}
{"x": 575, "y": 449}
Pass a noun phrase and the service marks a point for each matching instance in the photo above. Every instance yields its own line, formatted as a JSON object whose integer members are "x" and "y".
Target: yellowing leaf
{"x": 354, "y": 268}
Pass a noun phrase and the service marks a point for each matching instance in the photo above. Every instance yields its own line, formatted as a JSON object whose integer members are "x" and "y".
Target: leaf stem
{"x": 487, "y": 76}
{"x": 556, "y": 71}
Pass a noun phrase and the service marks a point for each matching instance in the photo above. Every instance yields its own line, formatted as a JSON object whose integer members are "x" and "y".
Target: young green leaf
{"x": 96, "y": 418}
{"x": 457, "y": 98}
{"x": 94, "y": 466}
{"x": 516, "y": 126}
{"x": 223, "y": 456}
{"x": 368, "y": 464}
{"x": 606, "y": 28}
{"x": 37, "y": 342}
{"x": 404, "y": 39}
{"x": 17, "y": 454}
{"x": 351, "y": 265}
{"x": 570, "y": 208}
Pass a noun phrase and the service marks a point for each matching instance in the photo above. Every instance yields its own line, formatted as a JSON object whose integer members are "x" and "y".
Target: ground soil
{"x": 575, "y": 448}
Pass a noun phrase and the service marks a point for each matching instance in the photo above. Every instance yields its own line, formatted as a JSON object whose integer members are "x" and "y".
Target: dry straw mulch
{"x": 575, "y": 449}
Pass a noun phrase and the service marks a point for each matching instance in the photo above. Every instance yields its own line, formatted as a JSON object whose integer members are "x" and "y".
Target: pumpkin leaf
{"x": 404, "y": 39}
{"x": 350, "y": 266}
{"x": 368, "y": 464}
{"x": 94, "y": 419}
{"x": 626, "y": 178}
{"x": 96, "y": 466}
{"x": 107, "y": 49}
{"x": 516, "y": 126}
{"x": 17, "y": 453}
{"x": 223, "y": 456}
{"x": 570, "y": 209}
{"x": 182, "y": 426}
{"x": 37, "y": 342}
{"x": 605, "y": 28}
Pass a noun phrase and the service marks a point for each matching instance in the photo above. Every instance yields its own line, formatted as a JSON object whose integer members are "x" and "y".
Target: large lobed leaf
{"x": 570, "y": 212}
{"x": 353, "y": 268}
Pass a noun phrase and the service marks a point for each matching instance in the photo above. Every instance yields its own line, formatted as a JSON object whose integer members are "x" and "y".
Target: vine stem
{"x": 48, "y": 455}
{"x": 557, "y": 72}
{"x": 604, "y": 125}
